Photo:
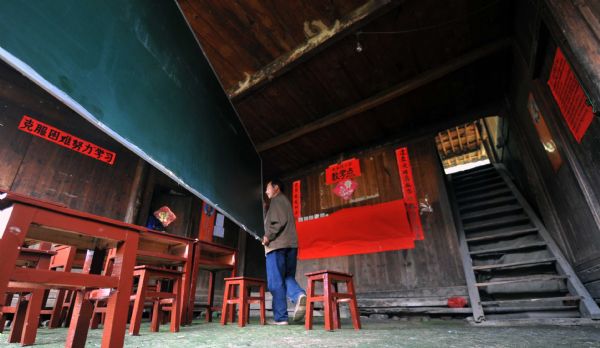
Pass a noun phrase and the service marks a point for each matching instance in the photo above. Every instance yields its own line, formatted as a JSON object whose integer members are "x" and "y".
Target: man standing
{"x": 281, "y": 249}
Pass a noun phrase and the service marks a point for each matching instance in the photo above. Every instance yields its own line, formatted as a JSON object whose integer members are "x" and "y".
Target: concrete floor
{"x": 376, "y": 333}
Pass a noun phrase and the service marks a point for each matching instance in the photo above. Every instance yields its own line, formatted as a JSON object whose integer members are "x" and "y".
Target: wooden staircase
{"x": 513, "y": 267}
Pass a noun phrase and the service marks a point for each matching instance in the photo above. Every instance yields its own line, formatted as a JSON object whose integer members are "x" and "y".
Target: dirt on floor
{"x": 375, "y": 333}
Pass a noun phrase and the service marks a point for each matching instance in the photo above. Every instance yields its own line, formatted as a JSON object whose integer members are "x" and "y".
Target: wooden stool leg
{"x": 327, "y": 304}
{"x": 233, "y": 306}
{"x": 262, "y": 305}
{"x": 32, "y": 317}
{"x": 211, "y": 295}
{"x": 68, "y": 314}
{"x": 138, "y": 304}
{"x": 78, "y": 329}
{"x": 335, "y": 308}
{"x": 175, "y": 306}
{"x": 157, "y": 312}
{"x": 308, "y": 320}
{"x": 225, "y": 304}
{"x": 7, "y": 301}
{"x": 354, "y": 306}
{"x": 243, "y": 300}
{"x": 16, "y": 329}
{"x": 57, "y": 310}
{"x": 96, "y": 317}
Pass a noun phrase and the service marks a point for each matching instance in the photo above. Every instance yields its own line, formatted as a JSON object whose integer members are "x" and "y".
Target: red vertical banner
{"x": 569, "y": 96}
{"x": 409, "y": 192}
{"x": 296, "y": 199}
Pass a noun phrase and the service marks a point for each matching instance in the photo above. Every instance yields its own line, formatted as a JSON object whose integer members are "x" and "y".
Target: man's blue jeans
{"x": 281, "y": 279}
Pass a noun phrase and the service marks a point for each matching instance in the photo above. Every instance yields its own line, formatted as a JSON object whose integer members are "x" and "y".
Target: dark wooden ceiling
{"x": 305, "y": 94}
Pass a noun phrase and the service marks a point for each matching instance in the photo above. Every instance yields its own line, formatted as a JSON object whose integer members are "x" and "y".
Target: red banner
{"x": 569, "y": 96}
{"x": 65, "y": 139}
{"x": 296, "y": 199}
{"x": 360, "y": 230}
{"x": 409, "y": 192}
{"x": 343, "y": 171}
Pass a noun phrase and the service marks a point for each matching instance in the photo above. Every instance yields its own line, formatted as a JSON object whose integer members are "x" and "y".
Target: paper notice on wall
{"x": 569, "y": 96}
{"x": 219, "y": 230}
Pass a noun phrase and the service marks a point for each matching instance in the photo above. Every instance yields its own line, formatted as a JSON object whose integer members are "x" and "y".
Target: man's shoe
{"x": 279, "y": 323}
{"x": 300, "y": 309}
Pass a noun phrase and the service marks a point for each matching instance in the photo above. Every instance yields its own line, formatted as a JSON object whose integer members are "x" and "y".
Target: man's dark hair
{"x": 276, "y": 182}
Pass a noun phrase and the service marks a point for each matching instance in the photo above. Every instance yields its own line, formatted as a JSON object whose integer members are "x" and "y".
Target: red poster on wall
{"x": 296, "y": 199}
{"x": 343, "y": 171}
{"x": 64, "y": 139}
{"x": 569, "y": 96}
{"x": 409, "y": 192}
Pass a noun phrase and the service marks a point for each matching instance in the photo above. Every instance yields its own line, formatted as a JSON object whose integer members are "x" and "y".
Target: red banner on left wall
{"x": 64, "y": 139}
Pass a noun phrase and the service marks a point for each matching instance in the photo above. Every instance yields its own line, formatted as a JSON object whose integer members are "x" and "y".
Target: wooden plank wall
{"x": 566, "y": 198}
{"x": 433, "y": 267}
{"x": 36, "y": 167}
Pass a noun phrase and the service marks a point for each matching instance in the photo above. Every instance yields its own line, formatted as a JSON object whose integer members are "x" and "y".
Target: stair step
{"x": 475, "y": 171}
{"x": 538, "y": 317}
{"x": 530, "y": 300}
{"x": 476, "y": 183}
{"x": 488, "y": 203}
{"x": 457, "y": 182}
{"x": 500, "y": 234}
{"x": 473, "y": 176}
{"x": 513, "y": 264}
{"x": 528, "y": 309}
{"x": 477, "y": 190}
{"x": 491, "y": 211}
{"x": 534, "y": 278}
{"x": 484, "y": 196}
{"x": 495, "y": 222}
{"x": 505, "y": 249}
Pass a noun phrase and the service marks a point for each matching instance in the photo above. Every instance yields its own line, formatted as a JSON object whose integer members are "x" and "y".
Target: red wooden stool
{"x": 146, "y": 273}
{"x": 26, "y": 313}
{"x": 244, "y": 299}
{"x": 331, "y": 297}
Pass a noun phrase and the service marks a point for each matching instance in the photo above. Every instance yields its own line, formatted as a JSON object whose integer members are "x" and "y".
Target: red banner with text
{"x": 296, "y": 199}
{"x": 343, "y": 171}
{"x": 64, "y": 139}
{"x": 569, "y": 96}
{"x": 409, "y": 192}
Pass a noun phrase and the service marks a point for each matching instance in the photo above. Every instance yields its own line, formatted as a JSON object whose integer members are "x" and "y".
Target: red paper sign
{"x": 296, "y": 199}
{"x": 569, "y": 96}
{"x": 343, "y": 171}
{"x": 345, "y": 189}
{"x": 65, "y": 139}
{"x": 409, "y": 192}
{"x": 165, "y": 215}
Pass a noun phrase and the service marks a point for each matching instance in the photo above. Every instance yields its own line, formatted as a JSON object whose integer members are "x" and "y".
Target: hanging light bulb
{"x": 359, "y": 47}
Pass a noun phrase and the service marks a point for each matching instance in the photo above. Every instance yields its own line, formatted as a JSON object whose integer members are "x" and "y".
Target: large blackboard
{"x": 134, "y": 69}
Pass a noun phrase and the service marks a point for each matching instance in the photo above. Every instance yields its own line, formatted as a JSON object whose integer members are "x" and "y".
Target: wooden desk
{"x": 212, "y": 258}
{"x": 24, "y": 220}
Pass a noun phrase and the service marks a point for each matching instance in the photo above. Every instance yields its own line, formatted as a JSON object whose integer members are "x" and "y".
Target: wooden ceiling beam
{"x": 386, "y": 95}
{"x": 362, "y": 15}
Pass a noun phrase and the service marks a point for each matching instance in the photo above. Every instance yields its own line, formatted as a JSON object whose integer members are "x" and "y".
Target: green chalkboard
{"x": 135, "y": 70}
